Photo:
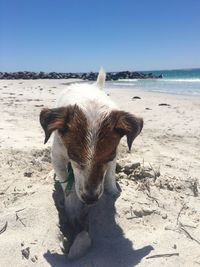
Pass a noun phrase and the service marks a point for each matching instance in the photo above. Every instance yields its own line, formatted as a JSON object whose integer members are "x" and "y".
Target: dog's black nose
{"x": 90, "y": 199}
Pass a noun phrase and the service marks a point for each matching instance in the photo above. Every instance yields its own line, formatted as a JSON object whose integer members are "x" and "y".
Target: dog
{"x": 88, "y": 127}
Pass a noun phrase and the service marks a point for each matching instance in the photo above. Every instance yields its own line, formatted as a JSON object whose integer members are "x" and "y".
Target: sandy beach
{"x": 158, "y": 211}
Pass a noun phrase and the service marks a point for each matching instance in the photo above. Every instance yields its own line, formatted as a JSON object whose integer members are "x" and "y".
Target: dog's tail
{"x": 101, "y": 78}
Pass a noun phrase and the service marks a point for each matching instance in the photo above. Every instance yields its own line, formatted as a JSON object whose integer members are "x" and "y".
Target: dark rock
{"x": 28, "y": 173}
{"x": 39, "y": 106}
{"x": 136, "y": 97}
{"x": 118, "y": 167}
{"x": 26, "y": 252}
{"x": 164, "y": 104}
{"x": 129, "y": 168}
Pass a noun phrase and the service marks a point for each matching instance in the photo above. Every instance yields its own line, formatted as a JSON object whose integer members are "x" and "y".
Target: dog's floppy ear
{"x": 55, "y": 119}
{"x": 129, "y": 125}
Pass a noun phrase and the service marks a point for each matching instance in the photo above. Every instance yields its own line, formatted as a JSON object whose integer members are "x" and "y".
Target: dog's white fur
{"x": 96, "y": 105}
{"x": 85, "y": 112}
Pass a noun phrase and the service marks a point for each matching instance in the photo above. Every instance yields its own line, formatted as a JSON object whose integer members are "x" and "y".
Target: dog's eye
{"x": 73, "y": 157}
{"x": 81, "y": 165}
{"x": 78, "y": 165}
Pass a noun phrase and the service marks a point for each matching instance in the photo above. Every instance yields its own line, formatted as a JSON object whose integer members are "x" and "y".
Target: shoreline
{"x": 176, "y": 89}
{"x": 69, "y": 81}
{"x": 138, "y": 90}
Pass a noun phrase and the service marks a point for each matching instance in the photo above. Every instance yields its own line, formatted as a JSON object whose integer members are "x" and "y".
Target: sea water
{"x": 181, "y": 82}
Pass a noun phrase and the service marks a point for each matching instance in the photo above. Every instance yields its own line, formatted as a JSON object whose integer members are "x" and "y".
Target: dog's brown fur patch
{"x": 75, "y": 136}
{"x": 112, "y": 129}
{"x": 105, "y": 149}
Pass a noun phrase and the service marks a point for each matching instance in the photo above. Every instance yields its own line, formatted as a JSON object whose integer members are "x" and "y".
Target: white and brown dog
{"x": 88, "y": 127}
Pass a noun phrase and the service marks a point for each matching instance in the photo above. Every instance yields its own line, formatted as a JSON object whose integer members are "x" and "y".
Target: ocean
{"x": 179, "y": 82}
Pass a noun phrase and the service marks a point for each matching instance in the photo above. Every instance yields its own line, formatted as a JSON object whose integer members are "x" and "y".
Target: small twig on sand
{"x": 19, "y": 210}
{"x": 179, "y": 214}
{"x": 4, "y": 191}
{"x": 153, "y": 198}
{"x": 4, "y": 228}
{"x": 155, "y": 173}
{"x": 18, "y": 218}
{"x": 189, "y": 235}
{"x": 19, "y": 194}
{"x": 162, "y": 255}
{"x": 132, "y": 217}
{"x": 187, "y": 225}
{"x": 194, "y": 188}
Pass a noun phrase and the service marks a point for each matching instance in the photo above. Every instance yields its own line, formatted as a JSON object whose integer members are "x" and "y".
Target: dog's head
{"x": 90, "y": 149}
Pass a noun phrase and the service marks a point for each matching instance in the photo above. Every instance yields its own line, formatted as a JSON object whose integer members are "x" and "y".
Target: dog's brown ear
{"x": 50, "y": 120}
{"x": 129, "y": 125}
{"x": 54, "y": 119}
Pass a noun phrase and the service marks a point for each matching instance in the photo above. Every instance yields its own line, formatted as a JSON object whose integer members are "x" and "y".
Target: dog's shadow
{"x": 109, "y": 248}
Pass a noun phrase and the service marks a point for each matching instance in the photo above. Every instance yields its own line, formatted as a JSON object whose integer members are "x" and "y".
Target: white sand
{"x": 148, "y": 210}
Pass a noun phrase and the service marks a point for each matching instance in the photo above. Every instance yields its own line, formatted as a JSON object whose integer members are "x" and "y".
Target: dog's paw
{"x": 80, "y": 246}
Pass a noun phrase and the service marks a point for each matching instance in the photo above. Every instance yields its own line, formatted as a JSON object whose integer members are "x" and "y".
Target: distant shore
{"x": 90, "y": 76}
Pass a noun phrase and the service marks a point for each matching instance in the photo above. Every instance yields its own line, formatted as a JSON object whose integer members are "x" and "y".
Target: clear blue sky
{"x": 72, "y": 35}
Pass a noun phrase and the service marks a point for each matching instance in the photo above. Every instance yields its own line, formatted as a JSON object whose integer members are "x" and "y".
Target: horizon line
{"x": 195, "y": 68}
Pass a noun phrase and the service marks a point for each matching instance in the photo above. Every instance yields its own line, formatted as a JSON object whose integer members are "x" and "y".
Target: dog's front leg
{"x": 110, "y": 180}
{"x": 77, "y": 240}
{"x": 77, "y": 223}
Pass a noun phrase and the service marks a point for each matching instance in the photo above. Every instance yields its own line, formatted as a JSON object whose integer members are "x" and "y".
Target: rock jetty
{"x": 90, "y": 76}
